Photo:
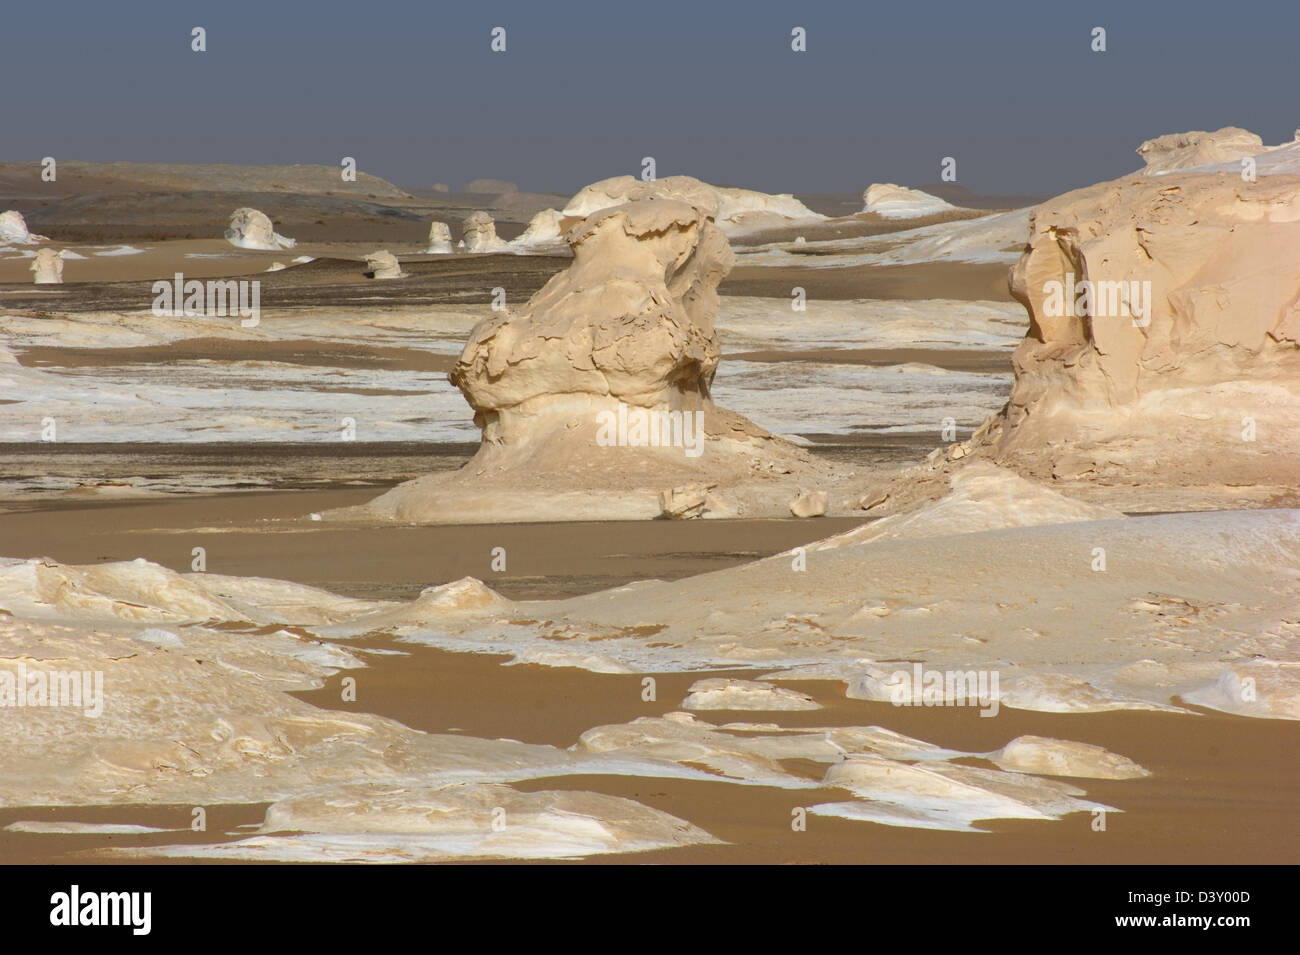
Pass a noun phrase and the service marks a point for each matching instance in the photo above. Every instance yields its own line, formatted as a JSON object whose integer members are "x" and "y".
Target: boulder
{"x": 250, "y": 229}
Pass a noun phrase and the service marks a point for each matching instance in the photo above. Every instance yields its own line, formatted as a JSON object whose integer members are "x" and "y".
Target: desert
{"x": 660, "y": 520}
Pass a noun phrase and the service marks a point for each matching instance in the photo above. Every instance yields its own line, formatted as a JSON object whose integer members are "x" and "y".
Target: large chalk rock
{"x": 543, "y": 233}
{"x": 382, "y": 264}
{"x": 13, "y": 229}
{"x": 439, "y": 239}
{"x": 250, "y": 229}
{"x": 898, "y": 202}
{"x": 48, "y": 266}
{"x": 595, "y": 396}
{"x": 480, "y": 234}
{"x": 736, "y": 211}
{"x": 1179, "y": 360}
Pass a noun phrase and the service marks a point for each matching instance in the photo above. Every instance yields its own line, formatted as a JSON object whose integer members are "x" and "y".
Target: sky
{"x": 884, "y": 91}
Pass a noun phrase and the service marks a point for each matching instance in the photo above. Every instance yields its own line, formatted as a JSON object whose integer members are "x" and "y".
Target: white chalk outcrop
{"x": 1178, "y": 151}
{"x": 593, "y": 399}
{"x": 48, "y": 266}
{"x": 480, "y": 234}
{"x": 1164, "y": 335}
{"x": 439, "y": 239}
{"x": 13, "y": 229}
{"x": 250, "y": 229}
{"x": 726, "y": 693}
{"x": 736, "y": 211}
{"x": 899, "y": 202}
{"x": 382, "y": 264}
{"x": 543, "y": 233}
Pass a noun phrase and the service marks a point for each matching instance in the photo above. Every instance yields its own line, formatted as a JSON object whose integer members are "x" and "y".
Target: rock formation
{"x": 48, "y": 266}
{"x": 1164, "y": 334}
{"x": 382, "y": 264}
{"x": 13, "y": 229}
{"x": 439, "y": 239}
{"x": 543, "y": 233}
{"x": 480, "y": 234}
{"x": 250, "y": 229}
{"x": 594, "y": 400}
{"x": 1196, "y": 148}
{"x": 898, "y": 202}
{"x": 736, "y": 211}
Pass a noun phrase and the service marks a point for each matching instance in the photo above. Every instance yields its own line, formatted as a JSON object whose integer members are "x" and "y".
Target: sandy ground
{"x": 252, "y": 535}
{"x": 1219, "y": 795}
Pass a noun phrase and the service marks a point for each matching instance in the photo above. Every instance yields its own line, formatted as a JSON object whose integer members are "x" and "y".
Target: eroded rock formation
{"x": 48, "y": 266}
{"x": 250, "y": 229}
{"x": 382, "y": 264}
{"x": 593, "y": 399}
{"x": 439, "y": 239}
{"x": 480, "y": 234}
{"x": 13, "y": 229}
{"x": 543, "y": 233}
{"x": 1164, "y": 334}
{"x": 1177, "y": 151}
{"x": 735, "y": 211}
{"x": 898, "y": 202}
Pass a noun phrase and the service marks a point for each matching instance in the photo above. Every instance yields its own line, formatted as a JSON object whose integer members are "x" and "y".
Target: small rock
{"x": 809, "y": 504}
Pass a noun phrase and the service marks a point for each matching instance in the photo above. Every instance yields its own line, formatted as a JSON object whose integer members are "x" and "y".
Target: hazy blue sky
{"x": 711, "y": 89}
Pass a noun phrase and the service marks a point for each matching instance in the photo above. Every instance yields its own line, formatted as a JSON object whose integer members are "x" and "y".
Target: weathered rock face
{"x": 1196, "y": 148}
{"x": 13, "y": 229}
{"x": 735, "y": 210}
{"x": 439, "y": 239}
{"x": 1164, "y": 330}
{"x": 250, "y": 229}
{"x": 48, "y": 266}
{"x": 480, "y": 234}
{"x": 382, "y": 264}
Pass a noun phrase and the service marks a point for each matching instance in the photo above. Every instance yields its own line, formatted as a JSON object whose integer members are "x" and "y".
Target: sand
{"x": 1218, "y": 796}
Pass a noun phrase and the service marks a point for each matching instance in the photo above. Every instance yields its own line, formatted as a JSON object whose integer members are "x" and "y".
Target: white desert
{"x": 1000, "y": 532}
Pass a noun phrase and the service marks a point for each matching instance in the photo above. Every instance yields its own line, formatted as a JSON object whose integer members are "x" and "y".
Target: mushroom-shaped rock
{"x": 48, "y": 266}
{"x": 595, "y": 395}
{"x": 250, "y": 229}
{"x": 439, "y": 239}
{"x": 480, "y": 234}
{"x": 382, "y": 264}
